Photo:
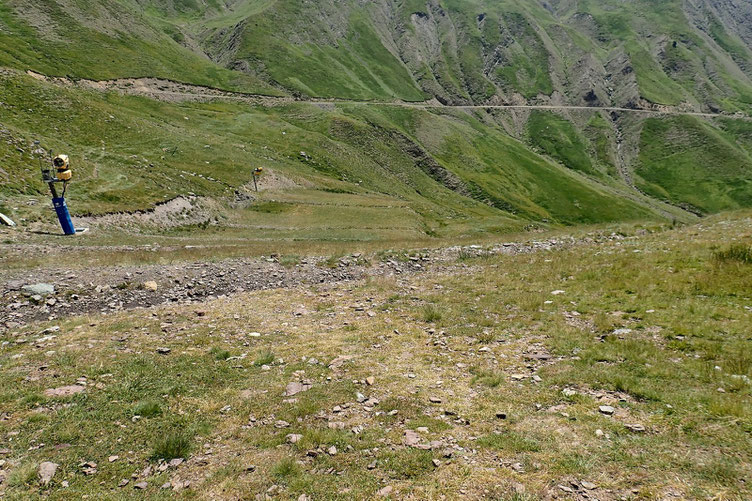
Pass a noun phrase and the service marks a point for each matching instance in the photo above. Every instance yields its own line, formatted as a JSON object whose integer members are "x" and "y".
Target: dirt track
{"x": 168, "y": 90}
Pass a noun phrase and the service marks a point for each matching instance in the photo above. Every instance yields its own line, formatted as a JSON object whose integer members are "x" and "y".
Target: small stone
{"x": 124, "y": 482}
{"x": 293, "y": 438}
{"x": 384, "y": 492}
{"x": 436, "y": 463}
{"x": 501, "y": 415}
{"x": 151, "y": 285}
{"x": 599, "y": 433}
{"x": 295, "y": 387}
{"x": 63, "y": 391}
{"x": 112, "y": 459}
{"x": 89, "y": 468}
{"x": 332, "y": 451}
{"x": 281, "y": 424}
{"x": 370, "y": 380}
{"x": 411, "y": 438}
{"x": 163, "y": 351}
{"x": 434, "y": 400}
{"x": 46, "y": 472}
{"x": 637, "y": 428}
{"x": 141, "y": 485}
{"x": 39, "y": 289}
{"x": 607, "y": 410}
{"x": 588, "y": 485}
{"x": 360, "y": 397}
{"x": 557, "y": 292}
{"x": 372, "y": 465}
{"x": 166, "y": 485}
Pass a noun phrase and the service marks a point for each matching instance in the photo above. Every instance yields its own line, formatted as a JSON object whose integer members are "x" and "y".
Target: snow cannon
{"x": 62, "y": 175}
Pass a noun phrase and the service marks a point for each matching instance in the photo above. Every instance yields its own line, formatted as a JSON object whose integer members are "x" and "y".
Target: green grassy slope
{"x": 688, "y": 161}
{"x": 597, "y": 52}
{"x": 453, "y": 172}
{"x": 104, "y": 41}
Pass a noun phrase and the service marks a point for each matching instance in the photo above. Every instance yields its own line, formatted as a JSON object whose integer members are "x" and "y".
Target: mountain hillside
{"x": 620, "y": 110}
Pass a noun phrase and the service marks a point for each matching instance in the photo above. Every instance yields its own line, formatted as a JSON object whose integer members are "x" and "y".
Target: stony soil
{"x": 116, "y": 288}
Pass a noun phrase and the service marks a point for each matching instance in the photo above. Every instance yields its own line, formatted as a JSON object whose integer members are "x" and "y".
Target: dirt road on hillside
{"x": 168, "y": 90}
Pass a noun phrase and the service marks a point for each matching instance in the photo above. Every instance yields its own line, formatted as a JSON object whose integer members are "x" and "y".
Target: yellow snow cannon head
{"x": 62, "y": 165}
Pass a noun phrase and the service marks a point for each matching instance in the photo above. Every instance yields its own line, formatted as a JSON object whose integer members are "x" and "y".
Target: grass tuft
{"x": 264, "y": 358}
{"x": 23, "y": 474}
{"x": 431, "y": 313}
{"x": 147, "y": 408}
{"x": 173, "y": 445}
{"x": 219, "y": 353}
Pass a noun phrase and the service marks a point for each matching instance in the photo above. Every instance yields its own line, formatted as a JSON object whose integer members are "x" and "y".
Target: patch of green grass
{"x": 172, "y": 445}
{"x": 219, "y": 353}
{"x": 147, "y": 409}
{"x": 737, "y": 253}
{"x": 406, "y": 464}
{"x": 487, "y": 378}
{"x": 509, "y": 441}
{"x": 431, "y": 313}
{"x": 286, "y": 469}
{"x": 24, "y": 474}
{"x": 264, "y": 358}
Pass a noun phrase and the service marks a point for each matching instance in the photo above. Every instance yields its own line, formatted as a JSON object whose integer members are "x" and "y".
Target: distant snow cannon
{"x": 257, "y": 174}
{"x": 59, "y": 173}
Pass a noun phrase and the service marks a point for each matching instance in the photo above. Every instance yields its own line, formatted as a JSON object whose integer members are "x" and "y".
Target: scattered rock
{"x": 293, "y": 438}
{"x": 411, "y": 438}
{"x": 141, "y": 485}
{"x": 163, "y": 351}
{"x": 434, "y": 400}
{"x": 607, "y": 410}
{"x": 588, "y": 485}
{"x": 340, "y": 361}
{"x": 151, "y": 285}
{"x": 295, "y": 387}
{"x": 63, "y": 391}
{"x": 637, "y": 428}
{"x": 89, "y": 468}
{"x": 46, "y": 472}
{"x": 384, "y": 492}
{"x": 370, "y": 380}
{"x": 332, "y": 451}
{"x": 436, "y": 463}
{"x": 281, "y": 424}
{"x": 39, "y": 289}
{"x": 123, "y": 483}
